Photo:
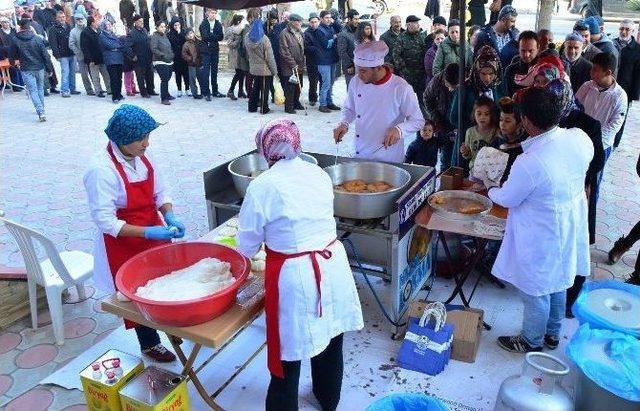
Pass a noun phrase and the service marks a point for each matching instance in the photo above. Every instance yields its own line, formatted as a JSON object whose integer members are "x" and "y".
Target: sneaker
{"x": 65, "y": 95}
{"x": 91, "y": 93}
{"x": 333, "y": 107}
{"x": 171, "y": 98}
{"x": 324, "y": 109}
{"x": 290, "y": 111}
{"x": 217, "y": 94}
{"x": 312, "y": 103}
{"x": 188, "y": 93}
{"x": 232, "y": 96}
{"x": 298, "y": 106}
{"x": 516, "y": 343}
{"x": 159, "y": 354}
{"x": 101, "y": 94}
{"x": 75, "y": 93}
{"x": 54, "y": 91}
{"x": 242, "y": 95}
{"x": 166, "y": 102}
{"x": 208, "y": 98}
{"x": 619, "y": 248}
{"x": 179, "y": 93}
{"x": 153, "y": 93}
{"x": 551, "y": 342}
{"x": 146, "y": 96}
{"x": 198, "y": 97}
{"x": 46, "y": 93}
{"x": 42, "y": 118}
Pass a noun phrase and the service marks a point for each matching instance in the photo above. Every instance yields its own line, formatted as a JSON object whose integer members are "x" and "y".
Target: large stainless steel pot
{"x": 367, "y": 205}
{"x": 242, "y": 167}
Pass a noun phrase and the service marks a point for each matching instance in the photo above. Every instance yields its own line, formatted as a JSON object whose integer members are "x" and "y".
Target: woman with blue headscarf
{"x": 127, "y": 195}
{"x": 262, "y": 63}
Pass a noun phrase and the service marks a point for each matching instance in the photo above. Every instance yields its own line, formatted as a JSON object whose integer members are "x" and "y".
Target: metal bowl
{"x": 452, "y": 198}
{"x": 242, "y": 167}
{"x": 367, "y": 205}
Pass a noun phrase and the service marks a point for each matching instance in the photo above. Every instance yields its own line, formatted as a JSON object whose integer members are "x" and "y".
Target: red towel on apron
{"x": 274, "y": 263}
{"x": 140, "y": 210}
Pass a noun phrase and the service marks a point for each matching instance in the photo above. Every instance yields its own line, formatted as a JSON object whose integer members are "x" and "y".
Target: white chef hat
{"x": 370, "y": 54}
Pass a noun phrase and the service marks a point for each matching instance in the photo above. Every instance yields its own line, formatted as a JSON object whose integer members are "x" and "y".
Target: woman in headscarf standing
{"x": 484, "y": 79}
{"x": 311, "y": 299}
{"x": 262, "y": 66}
{"x": 131, "y": 206}
{"x": 176, "y": 36}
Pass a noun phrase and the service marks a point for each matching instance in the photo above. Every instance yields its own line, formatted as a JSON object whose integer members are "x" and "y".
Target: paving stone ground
{"x": 41, "y": 168}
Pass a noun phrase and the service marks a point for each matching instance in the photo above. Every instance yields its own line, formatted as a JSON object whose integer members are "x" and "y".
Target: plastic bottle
{"x": 97, "y": 375}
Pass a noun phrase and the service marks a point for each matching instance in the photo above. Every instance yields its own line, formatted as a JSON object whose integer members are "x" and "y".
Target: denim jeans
{"x": 147, "y": 337}
{"x": 542, "y": 315}
{"x": 164, "y": 71}
{"x": 68, "y": 74}
{"x": 209, "y": 72}
{"x": 34, "y": 82}
{"x": 194, "y": 76}
{"x": 327, "y": 74}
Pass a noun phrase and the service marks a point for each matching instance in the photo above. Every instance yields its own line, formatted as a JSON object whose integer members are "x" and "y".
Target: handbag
{"x": 495, "y": 6}
{"x": 427, "y": 347}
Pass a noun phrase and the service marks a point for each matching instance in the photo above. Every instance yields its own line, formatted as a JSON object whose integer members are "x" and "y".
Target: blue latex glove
{"x": 172, "y": 221}
{"x": 159, "y": 232}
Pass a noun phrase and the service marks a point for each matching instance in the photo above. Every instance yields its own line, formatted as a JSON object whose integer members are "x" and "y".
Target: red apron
{"x": 274, "y": 263}
{"x": 140, "y": 210}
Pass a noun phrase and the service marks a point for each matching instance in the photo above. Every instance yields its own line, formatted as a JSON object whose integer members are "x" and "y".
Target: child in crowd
{"x": 486, "y": 117}
{"x": 424, "y": 149}
{"x": 191, "y": 55}
{"x": 511, "y": 133}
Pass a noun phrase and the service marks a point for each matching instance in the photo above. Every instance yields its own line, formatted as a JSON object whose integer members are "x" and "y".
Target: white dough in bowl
{"x": 206, "y": 277}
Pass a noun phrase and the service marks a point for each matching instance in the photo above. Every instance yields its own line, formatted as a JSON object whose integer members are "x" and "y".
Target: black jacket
{"x": 437, "y": 102}
{"x": 31, "y": 51}
{"x": 629, "y": 70}
{"x": 177, "y": 41}
{"x": 90, "y": 46}
{"x": 581, "y": 120}
{"x": 509, "y": 85}
{"x": 6, "y": 40}
{"x": 579, "y": 72}
{"x": 424, "y": 153}
{"x": 58, "y": 35}
{"x": 138, "y": 46}
{"x": 210, "y": 38}
{"x": 46, "y": 17}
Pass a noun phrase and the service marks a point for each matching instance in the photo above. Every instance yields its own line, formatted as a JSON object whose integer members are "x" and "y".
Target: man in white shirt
{"x": 383, "y": 106}
{"x": 546, "y": 241}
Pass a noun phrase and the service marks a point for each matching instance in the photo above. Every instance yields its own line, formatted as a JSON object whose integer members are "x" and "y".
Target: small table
{"x": 432, "y": 221}
{"x": 217, "y": 333}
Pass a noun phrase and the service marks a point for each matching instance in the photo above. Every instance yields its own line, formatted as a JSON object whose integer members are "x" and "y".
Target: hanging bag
{"x": 427, "y": 347}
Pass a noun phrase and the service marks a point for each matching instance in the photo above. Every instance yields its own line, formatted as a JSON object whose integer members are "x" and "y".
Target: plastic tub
{"x": 408, "y": 402}
{"x": 164, "y": 259}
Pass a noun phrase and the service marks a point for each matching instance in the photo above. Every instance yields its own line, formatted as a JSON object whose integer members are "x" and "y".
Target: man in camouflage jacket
{"x": 408, "y": 56}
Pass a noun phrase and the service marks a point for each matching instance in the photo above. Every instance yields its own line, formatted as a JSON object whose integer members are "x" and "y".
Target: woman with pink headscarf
{"x": 311, "y": 299}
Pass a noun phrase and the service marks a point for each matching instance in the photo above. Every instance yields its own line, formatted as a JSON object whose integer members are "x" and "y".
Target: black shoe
{"x": 146, "y": 96}
{"x": 166, "y": 102}
{"x": 54, "y": 91}
{"x": 101, "y": 94}
{"x": 208, "y": 98}
{"x": 171, "y": 98}
{"x": 324, "y": 109}
{"x": 242, "y": 95}
{"x": 198, "y": 97}
{"x": 153, "y": 93}
{"x": 46, "y": 93}
{"x": 517, "y": 344}
{"x": 217, "y": 94}
{"x": 298, "y": 106}
{"x": 290, "y": 111}
{"x": 91, "y": 93}
{"x": 232, "y": 96}
{"x": 75, "y": 93}
{"x": 16, "y": 89}
{"x": 568, "y": 313}
{"x": 633, "y": 279}
{"x": 266, "y": 111}
{"x": 312, "y": 103}
{"x": 551, "y": 342}
{"x": 333, "y": 107}
{"x": 619, "y": 248}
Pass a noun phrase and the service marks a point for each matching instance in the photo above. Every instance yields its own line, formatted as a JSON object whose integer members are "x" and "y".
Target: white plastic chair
{"x": 56, "y": 273}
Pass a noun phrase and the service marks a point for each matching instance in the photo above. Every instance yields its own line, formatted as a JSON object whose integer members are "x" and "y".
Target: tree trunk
{"x": 545, "y": 11}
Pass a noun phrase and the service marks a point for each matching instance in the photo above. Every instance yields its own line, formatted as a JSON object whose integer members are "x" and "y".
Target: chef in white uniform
{"x": 127, "y": 195}
{"x": 546, "y": 242}
{"x": 383, "y": 106}
{"x": 311, "y": 298}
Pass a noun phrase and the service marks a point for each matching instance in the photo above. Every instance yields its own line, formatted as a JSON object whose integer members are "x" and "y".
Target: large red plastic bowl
{"x": 162, "y": 260}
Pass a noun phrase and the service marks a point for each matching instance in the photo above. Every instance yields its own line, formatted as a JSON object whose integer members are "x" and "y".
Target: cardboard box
{"x": 102, "y": 395}
{"x": 169, "y": 392}
{"x": 452, "y": 179}
{"x": 468, "y": 328}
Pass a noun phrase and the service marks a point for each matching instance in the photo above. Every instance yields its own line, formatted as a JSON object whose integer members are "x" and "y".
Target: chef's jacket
{"x": 376, "y": 108}
{"x": 106, "y": 193}
{"x": 290, "y": 208}
{"x": 546, "y": 241}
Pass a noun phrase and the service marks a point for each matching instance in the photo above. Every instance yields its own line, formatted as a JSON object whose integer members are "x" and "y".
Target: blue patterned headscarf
{"x": 256, "y": 31}
{"x": 129, "y": 123}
